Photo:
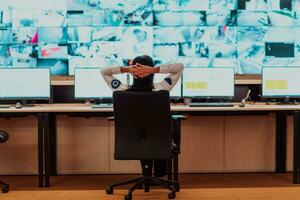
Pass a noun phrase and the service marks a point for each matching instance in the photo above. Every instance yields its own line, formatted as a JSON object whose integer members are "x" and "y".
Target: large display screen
{"x": 65, "y": 34}
{"x": 281, "y": 82}
{"x": 24, "y": 83}
{"x": 208, "y": 82}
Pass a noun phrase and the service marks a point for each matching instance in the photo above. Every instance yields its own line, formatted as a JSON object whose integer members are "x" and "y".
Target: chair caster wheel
{"x": 172, "y": 195}
{"x": 109, "y": 190}
{"x": 5, "y": 188}
{"x": 146, "y": 187}
{"x": 127, "y": 197}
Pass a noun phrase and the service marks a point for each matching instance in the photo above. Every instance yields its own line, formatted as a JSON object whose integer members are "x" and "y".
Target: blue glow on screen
{"x": 65, "y": 34}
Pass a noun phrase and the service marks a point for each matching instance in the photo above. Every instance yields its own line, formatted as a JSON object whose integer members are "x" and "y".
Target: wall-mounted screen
{"x": 243, "y": 34}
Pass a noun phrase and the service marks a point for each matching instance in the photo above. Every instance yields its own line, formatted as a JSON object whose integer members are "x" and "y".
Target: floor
{"x": 230, "y": 186}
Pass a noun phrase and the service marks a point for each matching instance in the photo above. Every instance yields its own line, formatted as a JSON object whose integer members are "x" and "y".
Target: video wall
{"x": 64, "y": 34}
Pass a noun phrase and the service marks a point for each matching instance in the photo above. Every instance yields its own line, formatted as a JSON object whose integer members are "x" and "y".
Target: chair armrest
{"x": 111, "y": 118}
{"x": 178, "y": 117}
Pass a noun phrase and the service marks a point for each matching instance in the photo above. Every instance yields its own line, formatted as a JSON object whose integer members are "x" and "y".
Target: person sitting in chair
{"x": 142, "y": 69}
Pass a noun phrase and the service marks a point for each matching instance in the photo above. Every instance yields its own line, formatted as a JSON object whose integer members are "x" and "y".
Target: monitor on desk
{"x": 208, "y": 83}
{"x": 281, "y": 82}
{"x": 89, "y": 84}
{"x": 24, "y": 83}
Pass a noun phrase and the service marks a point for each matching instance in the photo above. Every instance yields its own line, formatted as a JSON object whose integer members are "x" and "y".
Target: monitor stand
{"x": 4, "y": 106}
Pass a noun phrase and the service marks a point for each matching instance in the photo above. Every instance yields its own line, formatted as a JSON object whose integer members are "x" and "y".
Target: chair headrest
{"x": 3, "y": 136}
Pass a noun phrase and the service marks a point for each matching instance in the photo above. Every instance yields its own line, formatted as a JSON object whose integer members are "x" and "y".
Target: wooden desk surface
{"x": 177, "y": 108}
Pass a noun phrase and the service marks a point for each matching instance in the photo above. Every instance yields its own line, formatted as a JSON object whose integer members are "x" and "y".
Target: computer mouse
{"x": 241, "y": 105}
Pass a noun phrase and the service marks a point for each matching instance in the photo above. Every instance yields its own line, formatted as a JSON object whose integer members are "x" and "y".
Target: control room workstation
{"x": 183, "y": 95}
{"x": 205, "y": 95}
{"x": 198, "y": 86}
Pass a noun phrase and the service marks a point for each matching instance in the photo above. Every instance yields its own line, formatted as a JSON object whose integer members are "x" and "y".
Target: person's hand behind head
{"x": 142, "y": 71}
{"x": 132, "y": 69}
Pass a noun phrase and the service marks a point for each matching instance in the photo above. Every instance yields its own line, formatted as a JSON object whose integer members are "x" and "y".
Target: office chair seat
{"x": 3, "y": 138}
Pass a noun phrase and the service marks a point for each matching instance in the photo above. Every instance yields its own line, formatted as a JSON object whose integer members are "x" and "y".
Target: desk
{"x": 47, "y": 113}
{"x": 42, "y": 123}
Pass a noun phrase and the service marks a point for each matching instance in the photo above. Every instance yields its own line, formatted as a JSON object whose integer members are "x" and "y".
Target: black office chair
{"x": 143, "y": 132}
{"x": 3, "y": 138}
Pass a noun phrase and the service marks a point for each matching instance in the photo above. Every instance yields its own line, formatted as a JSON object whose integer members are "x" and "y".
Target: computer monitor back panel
{"x": 89, "y": 84}
{"x": 208, "y": 82}
{"x": 29, "y": 83}
{"x": 280, "y": 82}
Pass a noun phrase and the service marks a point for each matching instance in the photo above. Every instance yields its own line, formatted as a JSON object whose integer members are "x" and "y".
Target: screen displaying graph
{"x": 65, "y": 34}
{"x": 281, "y": 82}
{"x": 208, "y": 82}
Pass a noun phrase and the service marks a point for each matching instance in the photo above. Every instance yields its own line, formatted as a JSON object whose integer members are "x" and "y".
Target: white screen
{"x": 176, "y": 91}
{"x": 24, "y": 83}
{"x": 279, "y": 81}
{"x": 90, "y": 84}
{"x": 208, "y": 82}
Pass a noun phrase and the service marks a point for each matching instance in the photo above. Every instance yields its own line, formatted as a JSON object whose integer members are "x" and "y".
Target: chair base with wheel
{"x": 144, "y": 182}
{"x": 5, "y": 187}
{"x": 3, "y": 138}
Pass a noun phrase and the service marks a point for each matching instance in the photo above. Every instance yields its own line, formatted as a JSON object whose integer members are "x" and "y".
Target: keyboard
{"x": 211, "y": 104}
{"x": 102, "y": 105}
{"x": 4, "y": 106}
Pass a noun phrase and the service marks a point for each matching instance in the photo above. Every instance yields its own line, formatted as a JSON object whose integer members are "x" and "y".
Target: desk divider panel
{"x": 19, "y": 154}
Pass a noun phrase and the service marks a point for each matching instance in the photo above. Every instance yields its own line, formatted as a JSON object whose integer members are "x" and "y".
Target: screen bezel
{"x": 209, "y": 97}
{"x": 275, "y": 96}
{"x": 29, "y": 98}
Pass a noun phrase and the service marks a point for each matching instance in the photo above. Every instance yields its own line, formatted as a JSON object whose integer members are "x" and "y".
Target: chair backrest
{"x": 142, "y": 125}
{"x": 3, "y": 136}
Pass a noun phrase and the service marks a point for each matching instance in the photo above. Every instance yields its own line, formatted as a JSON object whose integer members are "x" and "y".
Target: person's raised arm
{"x": 114, "y": 83}
{"x": 174, "y": 70}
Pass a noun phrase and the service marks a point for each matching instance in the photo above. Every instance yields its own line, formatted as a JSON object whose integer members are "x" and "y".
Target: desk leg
{"x": 176, "y": 140}
{"x": 47, "y": 143}
{"x": 175, "y": 166}
{"x": 52, "y": 132}
{"x": 170, "y": 169}
{"x": 296, "y": 151}
{"x": 280, "y": 142}
{"x": 41, "y": 149}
